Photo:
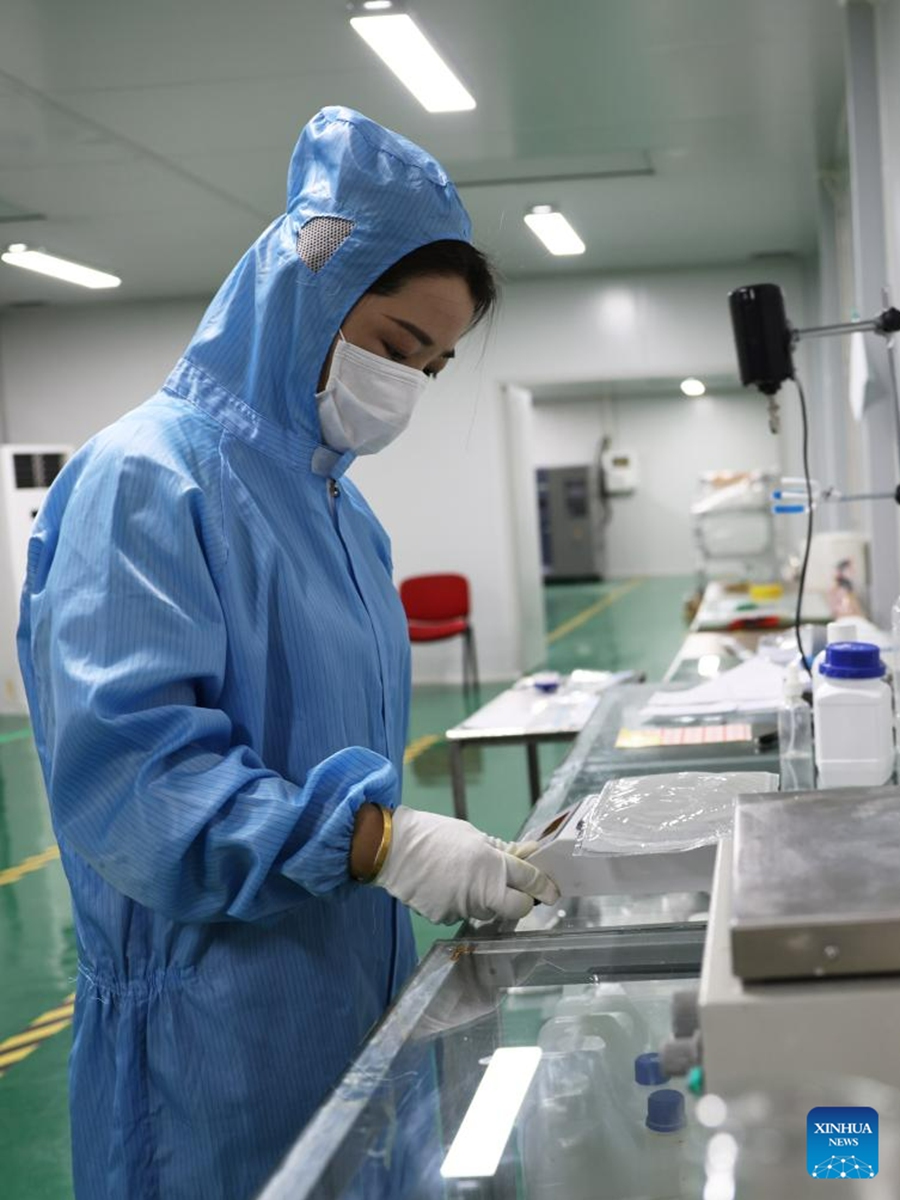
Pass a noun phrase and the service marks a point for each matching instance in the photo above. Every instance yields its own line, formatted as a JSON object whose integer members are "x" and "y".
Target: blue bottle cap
{"x": 852, "y": 660}
{"x": 648, "y": 1070}
{"x": 665, "y": 1111}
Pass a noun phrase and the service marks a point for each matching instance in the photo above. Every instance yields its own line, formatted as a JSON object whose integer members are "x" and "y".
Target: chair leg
{"x": 470, "y": 668}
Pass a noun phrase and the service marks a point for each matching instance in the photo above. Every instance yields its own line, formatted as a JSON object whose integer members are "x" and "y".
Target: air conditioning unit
{"x": 26, "y": 473}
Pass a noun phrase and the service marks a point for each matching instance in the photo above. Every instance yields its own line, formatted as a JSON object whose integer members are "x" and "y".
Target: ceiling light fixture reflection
{"x": 554, "y": 230}
{"x": 399, "y": 43}
{"x": 18, "y": 255}
{"x": 478, "y": 1146}
{"x": 693, "y": 387}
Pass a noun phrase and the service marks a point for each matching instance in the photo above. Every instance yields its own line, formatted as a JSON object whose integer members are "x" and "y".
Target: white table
{"x": 527, "y": 715}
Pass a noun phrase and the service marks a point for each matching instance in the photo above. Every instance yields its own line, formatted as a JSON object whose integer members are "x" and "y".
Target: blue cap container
{"x": 852, "y": 660}
{"x": 648, "y": 1070}
{"x": 665, "y": 1111}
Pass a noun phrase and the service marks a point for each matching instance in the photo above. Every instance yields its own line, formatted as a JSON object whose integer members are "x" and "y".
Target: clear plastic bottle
{"x": 661, "y": 1152}
{"x": 577, "y": 1139}
{"x": 795, "y": 750}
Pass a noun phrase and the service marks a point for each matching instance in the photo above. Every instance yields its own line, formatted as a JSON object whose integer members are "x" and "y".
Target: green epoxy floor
{"x": 610, "y": 626}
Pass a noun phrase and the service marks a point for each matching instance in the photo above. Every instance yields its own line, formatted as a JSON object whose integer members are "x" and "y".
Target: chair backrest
{"x": 435, "y": 597}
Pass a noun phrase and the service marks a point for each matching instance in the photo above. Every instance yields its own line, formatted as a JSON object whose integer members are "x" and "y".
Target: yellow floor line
{"x": 32, "y": 1036}
{"x": 12, "y": 1057}
{"x": 27, "y": 865}
{"x": 588, "y": 614}
{"x": 18, "y": 1047}
{"x": 57, "y": 1014}
{"x": 419, "y": 746}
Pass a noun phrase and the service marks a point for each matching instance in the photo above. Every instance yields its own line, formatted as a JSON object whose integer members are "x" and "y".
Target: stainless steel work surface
{"x": 817, "y": 884}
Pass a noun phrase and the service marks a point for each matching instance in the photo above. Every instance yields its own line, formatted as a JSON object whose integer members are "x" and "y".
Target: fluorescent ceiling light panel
{"x": 399, "y": 42}
{"x": 554, "y": 231}
{"x": 479, "y": 1144}
{"x": 693, "y": 387}
{"x": 59, "y": 268}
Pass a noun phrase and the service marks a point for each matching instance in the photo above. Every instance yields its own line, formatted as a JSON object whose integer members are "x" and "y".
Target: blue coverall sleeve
{"x": 124, "y": 642}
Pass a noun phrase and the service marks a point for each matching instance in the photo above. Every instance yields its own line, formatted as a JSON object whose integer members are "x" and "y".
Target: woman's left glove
{"x": 448, "y": 870}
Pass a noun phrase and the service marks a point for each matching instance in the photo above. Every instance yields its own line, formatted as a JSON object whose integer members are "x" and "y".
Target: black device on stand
{"x": 764, "y": 340}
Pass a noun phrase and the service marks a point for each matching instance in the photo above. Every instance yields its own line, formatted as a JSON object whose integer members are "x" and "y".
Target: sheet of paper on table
{"x": 756, "y": 685}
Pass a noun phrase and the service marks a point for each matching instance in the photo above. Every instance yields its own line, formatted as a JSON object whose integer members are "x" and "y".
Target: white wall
{"x": 443, "y": 489}
{"x": 67, "y": 372}
{"x": 673, "y": 439}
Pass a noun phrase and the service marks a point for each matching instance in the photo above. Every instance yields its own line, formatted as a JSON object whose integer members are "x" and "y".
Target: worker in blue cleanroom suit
{"x": 217, "y": 667}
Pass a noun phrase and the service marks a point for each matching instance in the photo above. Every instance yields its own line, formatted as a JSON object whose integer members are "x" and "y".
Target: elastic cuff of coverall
{"x": 322, "y": 863}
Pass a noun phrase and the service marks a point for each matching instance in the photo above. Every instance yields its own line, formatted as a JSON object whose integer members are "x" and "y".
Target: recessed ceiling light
{"x": 18, "y": 255}
{"x": 693, "y": 387}
{"x": 554, "y": 230}
{"x": 399, "y": 43}
{"x": 377, "y": 5}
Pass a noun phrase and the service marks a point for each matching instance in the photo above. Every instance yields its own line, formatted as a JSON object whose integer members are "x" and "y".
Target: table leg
{"x": 534, "y": 771}
{"x": 458, "y": 781}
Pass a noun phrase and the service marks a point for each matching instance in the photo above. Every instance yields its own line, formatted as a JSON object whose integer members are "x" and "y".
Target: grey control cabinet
{"x": 572, "y": 515}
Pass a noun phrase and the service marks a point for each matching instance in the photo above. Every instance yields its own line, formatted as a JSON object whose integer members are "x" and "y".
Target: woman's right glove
{"x": 448, "y": 870}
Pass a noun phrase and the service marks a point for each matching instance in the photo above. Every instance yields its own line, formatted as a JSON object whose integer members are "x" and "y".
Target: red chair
{"x": 437, "y": 608}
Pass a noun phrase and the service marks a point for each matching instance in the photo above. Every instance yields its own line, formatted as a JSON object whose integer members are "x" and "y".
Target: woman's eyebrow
{"x": 420, "y": 335}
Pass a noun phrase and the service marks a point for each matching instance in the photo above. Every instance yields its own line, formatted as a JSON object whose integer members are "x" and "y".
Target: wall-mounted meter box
{"x": 26, "y": 473}
{"x": 620, "y": 472}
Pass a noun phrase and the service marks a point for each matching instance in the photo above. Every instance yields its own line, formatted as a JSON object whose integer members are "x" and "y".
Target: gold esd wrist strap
{"x": 387, "y": 832}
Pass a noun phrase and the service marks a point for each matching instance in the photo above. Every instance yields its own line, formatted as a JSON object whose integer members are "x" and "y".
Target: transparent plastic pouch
{"x": 661, "y": 814}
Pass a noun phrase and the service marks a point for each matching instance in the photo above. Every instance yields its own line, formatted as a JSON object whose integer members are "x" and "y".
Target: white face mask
{"x": 367, "y": 401}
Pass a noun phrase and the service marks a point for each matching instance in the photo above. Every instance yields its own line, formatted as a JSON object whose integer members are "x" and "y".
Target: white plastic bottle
{"x": 853, "y": 718}
{"x": 795, "y": 750}
{"x": 836, "y": 631}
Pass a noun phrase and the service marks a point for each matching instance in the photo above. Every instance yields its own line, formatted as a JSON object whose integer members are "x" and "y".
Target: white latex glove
{"x": 448, "y": 870}
{"x": 516, "y": 849}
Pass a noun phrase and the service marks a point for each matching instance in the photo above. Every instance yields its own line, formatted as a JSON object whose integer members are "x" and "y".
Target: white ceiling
{"x": 152, "y": 139}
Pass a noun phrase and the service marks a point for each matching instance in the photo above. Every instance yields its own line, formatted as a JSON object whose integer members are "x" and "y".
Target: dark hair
{"x": 445, "y": 258}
